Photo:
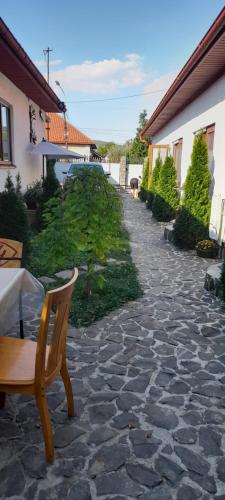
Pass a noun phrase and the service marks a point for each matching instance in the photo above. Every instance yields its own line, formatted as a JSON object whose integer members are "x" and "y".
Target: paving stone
{"x": 115, "y": 383}
{"x": 100, "y": 414}
{"x": 186, "y": 492}
{"x": 138, "y": 384}
{"x": 210, "y": 442}
{"x": 193, "y": 417}
{"x": 213, "y": 417}
{"x": 101, "y": 435}
{"x": 9, "y": 430}
{"x": 163, "y": 379}
{"x": 210, "y": 390}
{"x": 108, "y": 459}
{"x": 125, "y": 419}
{"x": 176, "y": 401}
{"x": 206, "y": 482}
{"x": 169, "y": 469}
{"x": 143, "y": 475}
{"x": 158, "y": 493}
{"x": 186, "y": 435}
{"x": 12, "y": 480}
{"x": 114, "y": 369}
{"x": 36, "y": 467}
{"x": 105, "y": 397}
{"x": 64, "y": 435}
{"x": 126, "y": 401}
{"x": 221, "y": 469}
{"x": 117, "y": 483}
{"x": 108, "y": 352}
{"x": 80, "y": 491}
{"x": 193, "y": 461}
{"x": 161, "y": 417}
{"x": 215, "y": 367}
{"x": 144, "y": 445}
{"x": 179, "y": 387}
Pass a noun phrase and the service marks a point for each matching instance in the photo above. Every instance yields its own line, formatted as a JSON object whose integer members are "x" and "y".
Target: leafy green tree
{"x": 192, "y": 223}
{"x": 166, "y": 200}
{"x": 154, "y": 182}
{"x": 86, "y": 219}
{"x": 144, "y": 183}
{"x": 138, "y": 149}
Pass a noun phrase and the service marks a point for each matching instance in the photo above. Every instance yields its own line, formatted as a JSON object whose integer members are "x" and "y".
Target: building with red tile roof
{"x": 60, "y": 131}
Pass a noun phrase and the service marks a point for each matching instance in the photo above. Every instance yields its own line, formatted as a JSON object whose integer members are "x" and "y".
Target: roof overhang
{"x": 16, "y": 65}
{"x": 202, "y": 69}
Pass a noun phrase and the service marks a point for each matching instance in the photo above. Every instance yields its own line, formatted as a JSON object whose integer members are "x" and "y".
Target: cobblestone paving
{"x": 149, "y": 386}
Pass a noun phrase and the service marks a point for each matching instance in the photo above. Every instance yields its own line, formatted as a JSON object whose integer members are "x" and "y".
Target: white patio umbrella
{"x": 51, "y": 151}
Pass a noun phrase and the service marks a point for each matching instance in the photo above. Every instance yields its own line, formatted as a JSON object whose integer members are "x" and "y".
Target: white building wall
{"x": 29, "y": 166}
{"x": 79, "y": 148}
{"x": 207, "y": 109}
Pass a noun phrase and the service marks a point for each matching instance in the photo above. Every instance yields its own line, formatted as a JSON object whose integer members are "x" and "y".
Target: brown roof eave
{"x": 208, "y": 40}
{"x": 19, "y": 53}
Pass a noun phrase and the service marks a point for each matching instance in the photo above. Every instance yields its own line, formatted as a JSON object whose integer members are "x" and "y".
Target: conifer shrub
{"x": 166, "y": 200}
{"x": 192, "y": 223}
{"x": 144, "y": 184}
{"x": 50, "y": 183}
{"x": 154, "y": 182}
{"x": 13, "y": 220}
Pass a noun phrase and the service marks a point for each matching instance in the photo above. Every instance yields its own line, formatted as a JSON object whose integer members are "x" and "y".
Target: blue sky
{"x": 104, "y": 49}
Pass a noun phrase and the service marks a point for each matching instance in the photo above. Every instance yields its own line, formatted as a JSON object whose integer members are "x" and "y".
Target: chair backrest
{"x": 60, "y": 299}
{"x": 10, "y": 253}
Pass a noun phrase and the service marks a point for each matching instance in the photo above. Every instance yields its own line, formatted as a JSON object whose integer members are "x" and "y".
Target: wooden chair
{"x": 10, "y": 253}
{"x": 29, "y": 367}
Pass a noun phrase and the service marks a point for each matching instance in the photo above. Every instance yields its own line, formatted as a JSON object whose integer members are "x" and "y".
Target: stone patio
{"x": 149, "y": 387}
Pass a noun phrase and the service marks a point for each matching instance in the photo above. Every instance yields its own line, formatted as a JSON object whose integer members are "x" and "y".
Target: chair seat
{"x": 17, "y": 361}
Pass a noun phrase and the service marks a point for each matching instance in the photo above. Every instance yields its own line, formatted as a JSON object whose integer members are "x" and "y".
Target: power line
{"x": 115, "y": 98}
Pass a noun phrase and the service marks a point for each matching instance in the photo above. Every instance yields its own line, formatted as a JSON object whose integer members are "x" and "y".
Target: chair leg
{"x": 68, "y": 388}
{"x": 2, "y": 399}
{"x": 46, "y": 426}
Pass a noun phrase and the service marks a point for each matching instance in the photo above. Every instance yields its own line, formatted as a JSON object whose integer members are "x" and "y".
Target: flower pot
{"x": 207, "y": 253}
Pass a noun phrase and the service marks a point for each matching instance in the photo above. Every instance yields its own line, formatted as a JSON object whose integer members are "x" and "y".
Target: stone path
{"x": 149, "y": 386}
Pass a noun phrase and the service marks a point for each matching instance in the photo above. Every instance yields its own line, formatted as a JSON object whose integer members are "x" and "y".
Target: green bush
{"x": 50, "y": 183}
{"x": 33, "y": 195}
{"x": 143, "y": 193}
{"x": 166, "y": 200}
{"x": 153, "y": 188}
{"x": 222, "y": 282}
{"x": 192, "y": 223}
{"x": 85, "y": 219}
{"x": 13, "y": 220}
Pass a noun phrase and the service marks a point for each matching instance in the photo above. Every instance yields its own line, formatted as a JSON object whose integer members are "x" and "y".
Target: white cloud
{"x": 53, "y": 62}
{"x": 159, "y": 85}
{"x": 102, "y": 76}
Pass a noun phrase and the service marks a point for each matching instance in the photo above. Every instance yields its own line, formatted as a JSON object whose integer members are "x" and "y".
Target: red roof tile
{"x": 57, "y": 132}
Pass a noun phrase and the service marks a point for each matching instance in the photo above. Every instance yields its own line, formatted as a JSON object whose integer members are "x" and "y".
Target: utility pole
{"x": 46, "y": 53}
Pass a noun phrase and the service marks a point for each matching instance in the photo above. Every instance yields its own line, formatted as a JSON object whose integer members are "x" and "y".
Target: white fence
{"x": 133, "y": 170}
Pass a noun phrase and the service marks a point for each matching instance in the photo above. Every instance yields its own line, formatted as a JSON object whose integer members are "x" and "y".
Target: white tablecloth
{"x": 21, "y": 297}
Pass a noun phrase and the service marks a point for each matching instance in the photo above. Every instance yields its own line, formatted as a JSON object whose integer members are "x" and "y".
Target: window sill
{"x": 6, "y": 165}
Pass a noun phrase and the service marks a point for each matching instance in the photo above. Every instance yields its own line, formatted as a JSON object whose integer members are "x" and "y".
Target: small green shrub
{"x": 144, "y": 184}
{"x": 153, "y": 188}
{"x": 13, "y": 220}
{"x": 33, "y": 195}
{"x": 207, "y": 245}
{"x": 192, "y": 223}
{"x": 50, "y": 184}
{"x": 222, "y": 282}
{"x": 166, "y": 200}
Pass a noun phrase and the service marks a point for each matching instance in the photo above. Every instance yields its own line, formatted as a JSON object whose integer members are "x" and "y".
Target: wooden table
{"x": 21, "y": 295}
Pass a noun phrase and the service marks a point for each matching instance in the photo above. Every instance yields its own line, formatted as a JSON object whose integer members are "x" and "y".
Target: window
{"x": 5, "y": 134}
{"x": 209, "y": 137}
{"x": 177, "y": 153}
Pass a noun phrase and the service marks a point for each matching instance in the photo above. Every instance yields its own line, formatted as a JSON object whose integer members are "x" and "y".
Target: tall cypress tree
{"x": 144, "y": 184}
{"x": 153, "y": 188}
{"x": 192, "y": 223}
{"x": 166, "y": 200}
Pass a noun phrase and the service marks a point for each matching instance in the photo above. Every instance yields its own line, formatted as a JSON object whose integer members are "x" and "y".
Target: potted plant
{"x": 32, "y": 198}
{"x": 207, "y": 248}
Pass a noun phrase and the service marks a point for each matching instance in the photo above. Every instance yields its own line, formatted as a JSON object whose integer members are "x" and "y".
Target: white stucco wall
{"x": 29, "y": 166}
{"x": 207, "y": 109}
{"x": 81, "y": 150}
